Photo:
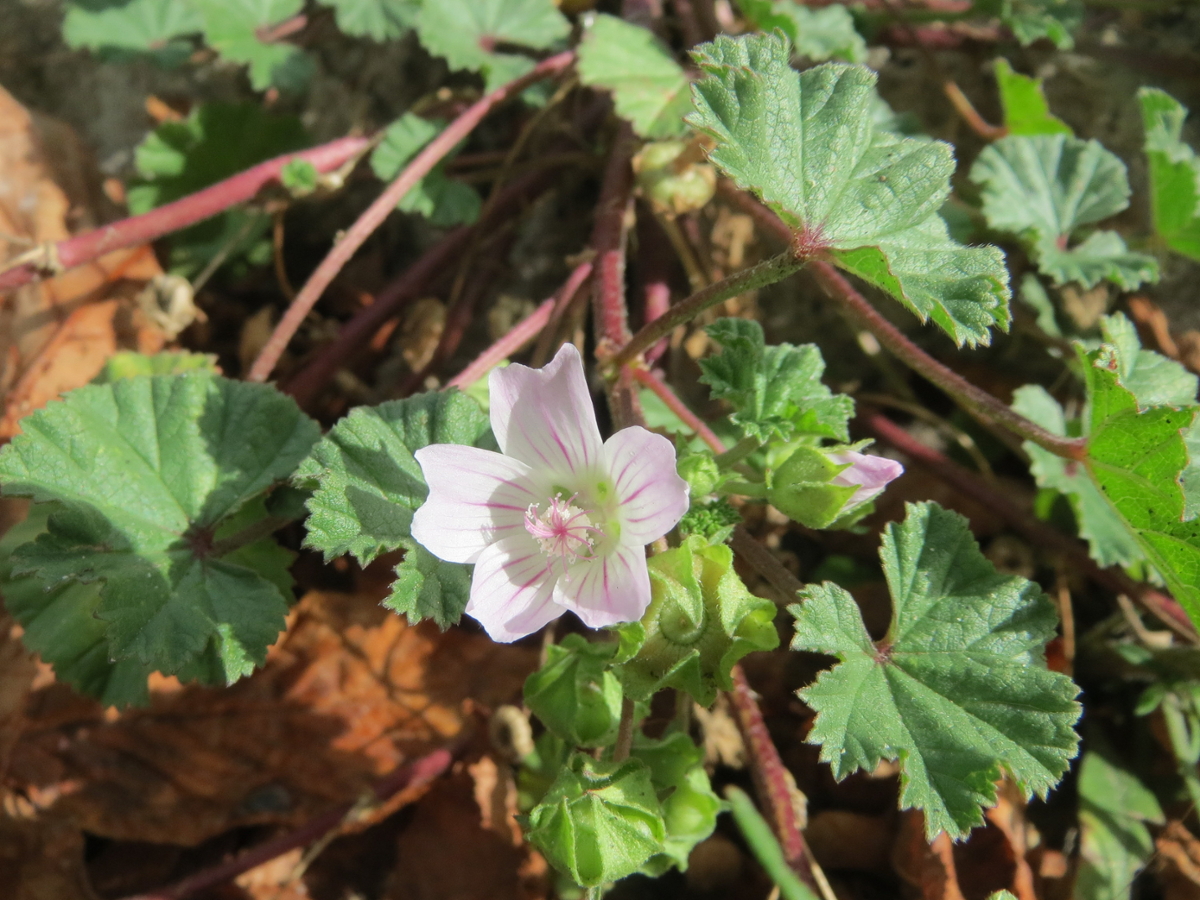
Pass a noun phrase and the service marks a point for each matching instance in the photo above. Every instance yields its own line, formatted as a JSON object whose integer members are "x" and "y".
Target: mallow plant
{"x": 158, "y": 488}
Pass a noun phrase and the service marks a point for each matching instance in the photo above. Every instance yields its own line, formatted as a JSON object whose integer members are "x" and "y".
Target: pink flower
{"x": 558, "y": 520}
{"x": 870, "y": 473}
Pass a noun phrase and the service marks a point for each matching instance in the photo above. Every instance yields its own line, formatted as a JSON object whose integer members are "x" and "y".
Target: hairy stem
{"x": 374, "y": 215}
{"x": 624, "y": 731}
{"x": 664, "y": 393}
{"x": 523, "y": 332}
{"x": 183, "y": 212}
{"x": 770, "y": 777}
{"x": 775, "y": 269}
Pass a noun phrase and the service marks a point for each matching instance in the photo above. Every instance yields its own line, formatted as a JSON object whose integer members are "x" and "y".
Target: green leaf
{"x": 128, "y": 364}
{"x": 429, "y": 588}
{"x": 367, "y": 482}
{"x": 600, "y": 821}
{"x": 231, "y": 28}
{"x": 1137, "y": 457}
{"x": 807, "y": 144}
{"x": 1109, "y": 541}
{"x": 690, "y": 807}
{"x": 465, "y": 31}
{"x": 300, "y": 177}
{"x": 1043, "y": 189}
{"x": 444, "y": 201}
{"x": 649, "y": 88}
{"x": 1026, "y": 111}
{"x": 1153, "y": 379}
{"x": 215, "y": 142}
{"x": 1174, "y": 172}
{"x": 379, "y": 20}
{"x": 765, "y": 846}
{"x": 776, "y": 391}
{"x": 801, "y": 488}
{"x": 1115, "y": 843}
{"x": 1032, "y": 20}
{"x": 119, "y": 29}
{"x": 150, "y": 472}
{"x": 573, "y": 693}
{"x": 701, "y": 620}
{"x": 957, "y": 691}
{"x": 817, "y": 34}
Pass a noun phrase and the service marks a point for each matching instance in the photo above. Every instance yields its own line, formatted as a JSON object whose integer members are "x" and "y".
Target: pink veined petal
{"x": 544, "y": 417}
{"x": 870, "y": 473}
{"x": 608, "y": 589}
{"x": 512, "y": 590}
{"x": 652, "y": 496}
{"x": 476, "y": 497}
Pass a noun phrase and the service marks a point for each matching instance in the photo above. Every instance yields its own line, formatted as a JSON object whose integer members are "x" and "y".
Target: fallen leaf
{"x": 351, "y": 693}
{"x": 841, "y": 839}
{"x": 41, "y": 860}
{"x": 17, "y": 668}
{"x": 1178, "y": 862}
{"x": 928, "y": 867}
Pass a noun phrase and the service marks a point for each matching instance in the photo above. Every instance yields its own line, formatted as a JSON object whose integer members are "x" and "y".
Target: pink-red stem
{"x": 374, "y": 215}
{"x": 664, "y": 393}
{"x": 183, "y": 212}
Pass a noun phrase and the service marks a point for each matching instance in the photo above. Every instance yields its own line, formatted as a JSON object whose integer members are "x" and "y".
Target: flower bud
{"x": 829, "y": 488}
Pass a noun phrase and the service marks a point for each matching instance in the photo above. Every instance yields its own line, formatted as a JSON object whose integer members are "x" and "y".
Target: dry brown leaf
{"x": 841, "y": 839}
{"x": 17, "y": 668}
{"x": 351, "y": 693}
{"x": 446, "y": 852}
{"x": 50, "y": 340}
{"x": 1178, "y": 862}
{"x": 927, "y": 867}
{"x": 1008, "y": 817}
{"x": 41, "y": 860}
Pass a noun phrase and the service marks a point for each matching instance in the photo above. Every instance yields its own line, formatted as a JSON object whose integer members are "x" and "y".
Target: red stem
{"x": 1163, "y": 607}
{"x": 412, "y": 775}
{"x": 183, "y": 212}
{"x": 770, "y": 777}
{"x": 608, "y": 240}
{"x": 410, "y": 284}
{"x": 524, "y": 331}
{"x": 664, "y": 393}
{"x": 374, "y": 215}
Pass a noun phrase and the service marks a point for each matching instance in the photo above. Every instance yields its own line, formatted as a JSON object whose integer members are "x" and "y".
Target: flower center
{"x": 562, "y": 530}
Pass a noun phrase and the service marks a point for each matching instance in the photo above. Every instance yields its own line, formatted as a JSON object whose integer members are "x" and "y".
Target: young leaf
{"x": 600, "y": 821}
{"x": 215, "y": 142}
{"x": 379, "y": 20}
{"x": 1045, "y": 188}
{"x": 465, "y": 31}
{"x": 649, "y": 88}
{"x": 1026, "y": 111}
{"x": 127, "y": 28}
{"x": 957, "y": 690}
{"x": 1174, "y": 172}
{"x": 1114, "y": 841}
{"x": 817, "y": 34}
{"x": 776, "y": 392}
{"x": 444, "y": 201}
{"x": 1137, "y": 457}
{"x": 1032, "y": 20}
{"x": 151, "y": 474}
{"x": 231, "y": 27}
{"x": 1109, "y": 542}
{"x": 367, "y": 486}
{"x": 807, "y": 144}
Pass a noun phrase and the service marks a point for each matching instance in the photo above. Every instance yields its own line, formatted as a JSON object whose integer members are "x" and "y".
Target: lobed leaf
{"x": 148, "y": 474}
{"x": 957, "y": 691}
{"x": 466, "y": 32}
{"x": 808, "y": 145}
{"x": 776, "y": 392}
{"x": 444, "y": 201}
{"x": 1044, "y": 188}
{"x": 816, "y": 33}
{"x": 367, "y": 486}
{"x": 124, "y": 28}
{"x": 649, "y": 88}
{"x": 379, "y": 20}
{"x": 231, "y": 27}
{"x": 1174, "y": 172}
{"x": 1115, "y": 843}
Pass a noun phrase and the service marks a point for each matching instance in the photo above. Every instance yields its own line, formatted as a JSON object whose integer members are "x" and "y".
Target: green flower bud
{"x": 574, "y": 694}
{"x": 829, "y": 487}
{"x": 701, "y": 620}
{"x": 701, "y": 472}
{"x": 689, "y": 805}
{"x": 600, "y": 821}
{"x": 669, "y": 186}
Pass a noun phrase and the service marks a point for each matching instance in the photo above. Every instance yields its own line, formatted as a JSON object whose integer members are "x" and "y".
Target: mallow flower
{"x": 559, "y": 519}
{"x": 869, "y": 474}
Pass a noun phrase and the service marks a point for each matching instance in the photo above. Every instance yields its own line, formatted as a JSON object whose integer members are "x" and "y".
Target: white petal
{"x": 476, "y": 497}
{"x": 652, "y": 496}
{"x": 512, "y": 590}
{"x": 870, "y": 473}
{"x": 544, "y": 417}
{"x": 608, "y": 589}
